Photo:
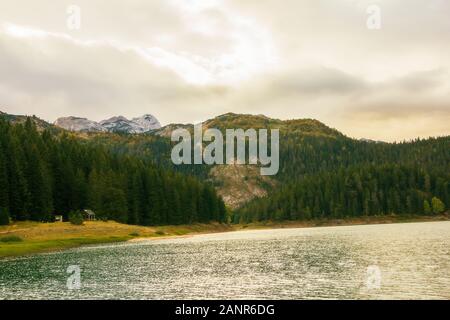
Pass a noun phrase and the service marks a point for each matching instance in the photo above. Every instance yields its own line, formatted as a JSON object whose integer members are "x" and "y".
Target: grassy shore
{"x": 23, "y": 238}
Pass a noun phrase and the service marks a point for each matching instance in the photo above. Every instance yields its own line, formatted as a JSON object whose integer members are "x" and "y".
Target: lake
{"x": 391, "y": 261}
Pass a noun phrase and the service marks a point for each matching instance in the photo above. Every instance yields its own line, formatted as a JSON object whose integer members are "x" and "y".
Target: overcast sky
{"x": 190, "y": 60}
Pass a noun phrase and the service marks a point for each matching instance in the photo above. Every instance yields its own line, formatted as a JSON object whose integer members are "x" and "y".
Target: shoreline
{"x": 369, "y": 220}
{"x": 50, "y": 237}
{"x": 268, "y": 225}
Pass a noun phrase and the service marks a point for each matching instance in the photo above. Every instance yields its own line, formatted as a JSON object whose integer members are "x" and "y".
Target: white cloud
{"x": 185, "y": 60}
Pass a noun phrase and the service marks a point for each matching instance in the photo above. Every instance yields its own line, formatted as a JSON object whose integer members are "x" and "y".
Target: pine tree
{"x": 19, "y": 197}
{"x": 222, "y": 211}
{"x": 38, "y": 182}
{"x": 426, "y": 207}
{"x": 95, "y": 186}
{"x": 114, "y": 204}
{"x": 4, "y": 217}
{"x": 4, "y": 184}
{"x": 135, "y": 203}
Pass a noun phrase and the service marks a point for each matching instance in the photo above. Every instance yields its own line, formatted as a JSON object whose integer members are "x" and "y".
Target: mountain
{"x": 51, "y": 172}
{"x": 240, "y": 184}
{"x": 79, "y": 124}
{"x": 118, "y": 124}
{"x": 323, "y": 173}
{"x": 121, "y": 124}
{"x": 308, "y": 149}
{"x": 17, "y": 119}
{"x": 303, "y": 127}
{"x": 237, "y": 184}
{"x": 147, "y": 122}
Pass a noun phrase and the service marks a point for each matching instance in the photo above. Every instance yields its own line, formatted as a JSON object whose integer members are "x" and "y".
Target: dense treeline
{"x": 152, "y": 148}
{"x": 359, "y": 191}
{"x": 130, "y": 178}
{"x": 43, "y": 174}
{"x": 318, "y": 172}
{"x": 326, "y": 177}
{"x": 309, "y": 154}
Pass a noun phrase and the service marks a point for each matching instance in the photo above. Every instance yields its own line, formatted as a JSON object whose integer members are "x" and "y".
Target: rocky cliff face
{"x": 79, "y": 124}
{"x": 121, "y": 124}
{"x": 115, "y": 124}
{"x": 147, "y": 122}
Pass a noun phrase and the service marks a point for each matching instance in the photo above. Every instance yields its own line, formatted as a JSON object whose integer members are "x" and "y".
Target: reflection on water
{"x": 411, "y": 260}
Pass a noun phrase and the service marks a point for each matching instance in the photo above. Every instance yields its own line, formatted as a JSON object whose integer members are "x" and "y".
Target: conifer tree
{"x": 4, "y": 184}
{"x": 426, "y": 207}
{"x": 4, "y": 217}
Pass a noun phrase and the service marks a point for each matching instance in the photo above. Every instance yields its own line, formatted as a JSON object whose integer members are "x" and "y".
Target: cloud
{"x": 186, "y": 61}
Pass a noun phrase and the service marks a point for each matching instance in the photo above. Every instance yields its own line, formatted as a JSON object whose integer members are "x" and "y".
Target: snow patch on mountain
{"x": 79, "y": 124}
{"x": 147, "y": 122}
{"x": 115, "y": 124}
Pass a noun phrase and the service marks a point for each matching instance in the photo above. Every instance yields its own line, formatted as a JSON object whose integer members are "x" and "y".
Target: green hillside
{"x": 323, "y": 174}
{"x": 43, "y": 173}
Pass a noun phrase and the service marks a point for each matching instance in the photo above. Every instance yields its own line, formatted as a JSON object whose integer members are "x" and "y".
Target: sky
{"x": 185, "y": 61}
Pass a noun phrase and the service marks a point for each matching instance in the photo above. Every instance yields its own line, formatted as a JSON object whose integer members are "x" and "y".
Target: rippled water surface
{"x": 399, "y": 261}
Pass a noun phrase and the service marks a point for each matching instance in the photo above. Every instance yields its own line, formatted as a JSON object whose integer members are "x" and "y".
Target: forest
{"x": 46, "y": 171}
{"x": 337, "y": 177}
{"x": 43, "y": 173}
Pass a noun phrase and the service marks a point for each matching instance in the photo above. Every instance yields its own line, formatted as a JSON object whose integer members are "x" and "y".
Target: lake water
{"x": 398, "y": 261}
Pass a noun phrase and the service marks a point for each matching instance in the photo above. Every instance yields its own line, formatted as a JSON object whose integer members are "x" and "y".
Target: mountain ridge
{"x": 250, "y": 121}
{"x": 307, "y": 148}
{"x": 149, "y": 124}
{"x": 120, "y": 124}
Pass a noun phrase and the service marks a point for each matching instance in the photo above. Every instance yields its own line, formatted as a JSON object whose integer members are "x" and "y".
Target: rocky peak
{"x": 115, "y": 124}
{"x": 79, "y": 124}
{"x": 147, "y": 122}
